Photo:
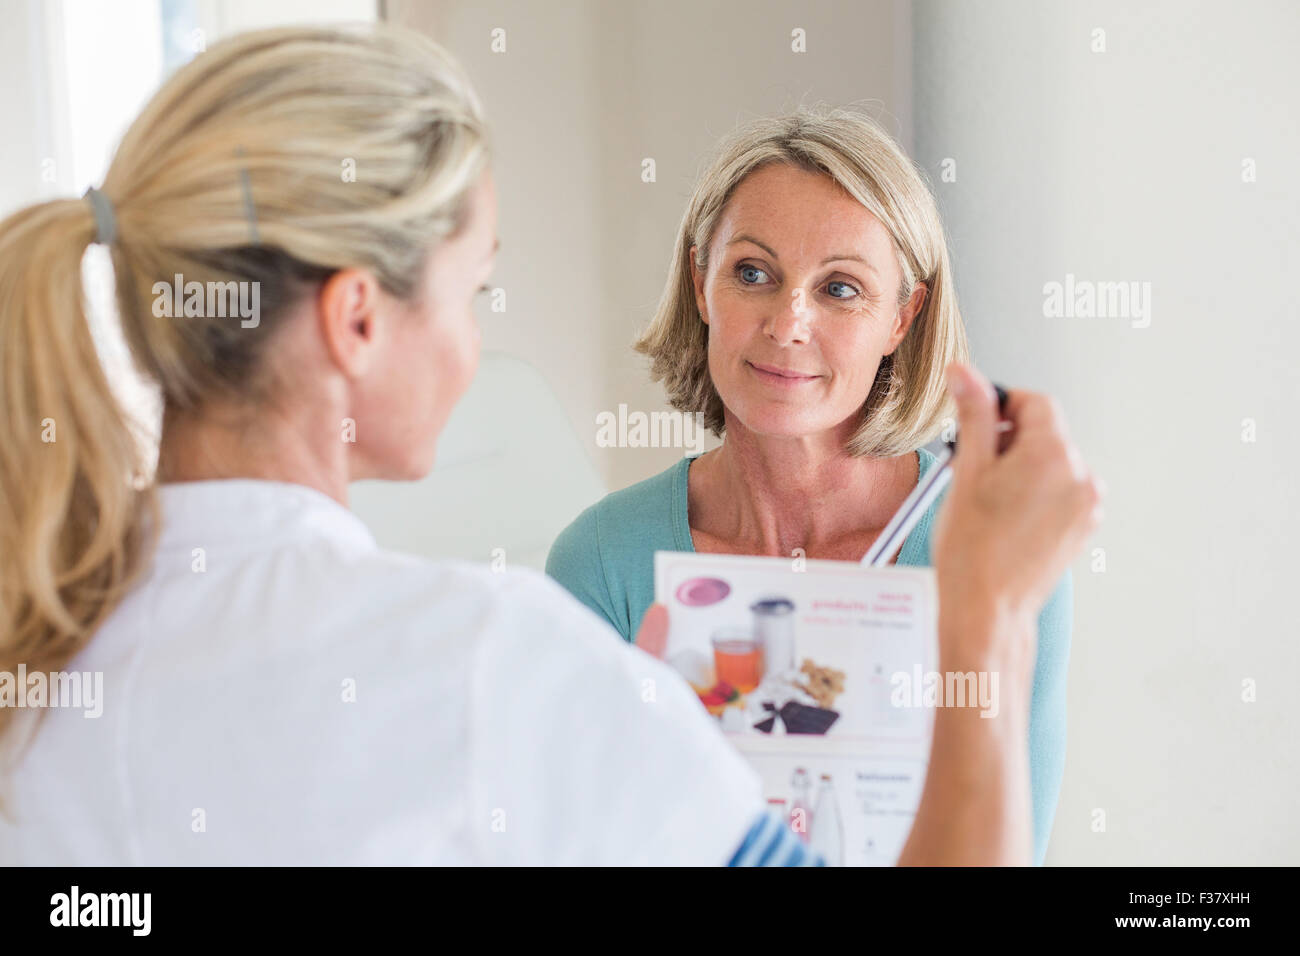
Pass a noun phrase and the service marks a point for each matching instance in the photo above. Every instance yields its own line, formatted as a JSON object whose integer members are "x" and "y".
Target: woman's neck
{"x": 272, "y": 445}
{"x": 762, "y": 495}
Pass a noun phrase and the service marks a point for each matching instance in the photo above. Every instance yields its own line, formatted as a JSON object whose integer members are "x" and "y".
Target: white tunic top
{"x": 293, "y": 694}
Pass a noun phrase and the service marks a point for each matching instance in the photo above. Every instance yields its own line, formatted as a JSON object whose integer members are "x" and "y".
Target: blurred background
{"x": 1152, "y": 145}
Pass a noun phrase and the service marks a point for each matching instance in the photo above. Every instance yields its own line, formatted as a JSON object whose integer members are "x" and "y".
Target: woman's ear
{"x": 906, "y": 314}
{"x": 346, "y": 309}
{"x": 697, "y": 280}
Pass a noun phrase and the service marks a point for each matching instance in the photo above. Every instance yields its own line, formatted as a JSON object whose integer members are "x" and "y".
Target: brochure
{"x": 816, "y": 672}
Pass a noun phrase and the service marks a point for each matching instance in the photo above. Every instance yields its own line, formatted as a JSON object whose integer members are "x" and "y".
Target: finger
{"x": 977, "y": 416}
{"x": 653, "y": 635}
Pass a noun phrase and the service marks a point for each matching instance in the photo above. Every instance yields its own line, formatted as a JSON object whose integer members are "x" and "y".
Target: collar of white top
{"x": 249, "y": 509}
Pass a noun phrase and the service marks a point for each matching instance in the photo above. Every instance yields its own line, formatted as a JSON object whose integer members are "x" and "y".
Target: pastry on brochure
{"x": 823, "y": 685}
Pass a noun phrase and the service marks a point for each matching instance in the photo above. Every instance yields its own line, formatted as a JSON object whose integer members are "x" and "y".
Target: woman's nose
{"x": 790, "y": 325}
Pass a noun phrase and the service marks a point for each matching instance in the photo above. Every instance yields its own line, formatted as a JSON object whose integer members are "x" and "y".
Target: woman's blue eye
{"x": 751, "y": 274}
{"x": 849, "y": 293}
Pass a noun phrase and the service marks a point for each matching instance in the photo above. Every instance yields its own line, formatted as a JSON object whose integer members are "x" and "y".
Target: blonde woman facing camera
{"x": 809, "y": 315}
{"x": 277, "y": 689}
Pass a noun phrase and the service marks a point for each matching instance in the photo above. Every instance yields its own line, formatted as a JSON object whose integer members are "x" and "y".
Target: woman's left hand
{"x": 653, "y": 635}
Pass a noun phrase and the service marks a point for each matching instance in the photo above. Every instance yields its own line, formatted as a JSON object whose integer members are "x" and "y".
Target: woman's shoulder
{"x": 605, "y": 557}
{"x": 926, "y": 459}
{"x": 636, "y": 517}
{"x": 648, "y": 502}
{"x": 916, "y": 547}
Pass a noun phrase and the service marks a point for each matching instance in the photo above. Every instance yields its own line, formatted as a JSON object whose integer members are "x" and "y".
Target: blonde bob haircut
{"x": 908, "y": 401}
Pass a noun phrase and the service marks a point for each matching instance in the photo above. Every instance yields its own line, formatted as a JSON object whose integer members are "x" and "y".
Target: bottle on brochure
{"x": 801, "y": 812}
{"x": 827, "y": 837}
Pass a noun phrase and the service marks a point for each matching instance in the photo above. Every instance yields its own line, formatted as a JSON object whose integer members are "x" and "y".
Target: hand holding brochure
{"x": 816, "y": 672}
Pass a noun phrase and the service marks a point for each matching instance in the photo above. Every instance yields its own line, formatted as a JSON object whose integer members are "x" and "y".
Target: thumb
{"x": 653, "y": 634}
{"x": 977, "y": 418}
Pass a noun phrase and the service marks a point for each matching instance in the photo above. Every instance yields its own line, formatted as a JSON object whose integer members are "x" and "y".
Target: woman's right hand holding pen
{"x": 1019, "y": 509}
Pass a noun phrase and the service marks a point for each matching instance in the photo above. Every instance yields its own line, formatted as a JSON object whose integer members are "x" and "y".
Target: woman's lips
{"x": 784, "y": 377}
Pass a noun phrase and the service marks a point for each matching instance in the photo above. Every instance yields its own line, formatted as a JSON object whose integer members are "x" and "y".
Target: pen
{"x": 918, "y": 502}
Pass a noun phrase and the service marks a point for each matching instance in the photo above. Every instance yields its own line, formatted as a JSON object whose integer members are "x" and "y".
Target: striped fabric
{"x": 770, "y": 842}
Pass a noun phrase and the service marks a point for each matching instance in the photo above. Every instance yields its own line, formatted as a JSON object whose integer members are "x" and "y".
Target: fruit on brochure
{"x": 720, "y": 696}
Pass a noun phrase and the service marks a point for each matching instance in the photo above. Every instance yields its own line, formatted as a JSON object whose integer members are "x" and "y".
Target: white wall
{"x": 1127, "y": 165}
{"x": 24, "y": 106}
{"x": 74, "y": 73}
{"x": 223, "y": 17}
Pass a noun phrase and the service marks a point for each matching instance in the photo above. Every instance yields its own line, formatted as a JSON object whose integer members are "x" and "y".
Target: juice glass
{"x": 738, "y": 658}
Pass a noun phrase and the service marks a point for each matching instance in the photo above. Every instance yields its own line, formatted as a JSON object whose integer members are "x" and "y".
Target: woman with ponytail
{"x": 298, "y": 223}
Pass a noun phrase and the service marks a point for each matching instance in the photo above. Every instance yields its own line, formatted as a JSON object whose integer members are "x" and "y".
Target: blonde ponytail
{"x": 237, "y": 170}
{"x": 70, "y": 514}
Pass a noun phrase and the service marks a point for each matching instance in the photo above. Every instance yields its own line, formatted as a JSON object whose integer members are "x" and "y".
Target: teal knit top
{"x": 605, "y": 558}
